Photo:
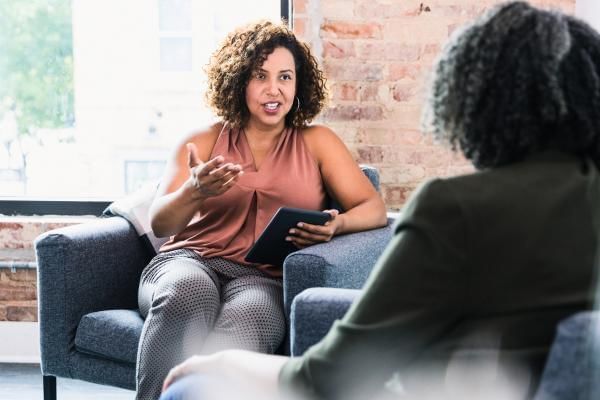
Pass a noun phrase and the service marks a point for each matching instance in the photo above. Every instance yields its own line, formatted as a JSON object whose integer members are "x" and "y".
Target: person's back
{"x": 523, "y": 238}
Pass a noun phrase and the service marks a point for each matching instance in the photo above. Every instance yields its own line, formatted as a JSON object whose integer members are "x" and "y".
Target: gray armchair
{"x": 88, "y": 276}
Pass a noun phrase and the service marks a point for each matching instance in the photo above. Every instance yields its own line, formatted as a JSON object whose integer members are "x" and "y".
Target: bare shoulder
{"x": 316, "y": 132}
{"x": 322, "y": 140}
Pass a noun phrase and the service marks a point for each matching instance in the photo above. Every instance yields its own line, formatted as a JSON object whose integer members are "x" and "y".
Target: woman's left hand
{"x": 304, "y": 235}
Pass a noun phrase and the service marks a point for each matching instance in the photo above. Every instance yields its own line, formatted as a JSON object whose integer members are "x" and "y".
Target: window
{"x": 94, "y": 93}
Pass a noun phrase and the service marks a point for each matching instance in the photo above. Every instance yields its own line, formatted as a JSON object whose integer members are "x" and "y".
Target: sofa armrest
{"x": 344, "y": 262}
{"x": 313, "y": 312}
{"x": 83, "y": 268}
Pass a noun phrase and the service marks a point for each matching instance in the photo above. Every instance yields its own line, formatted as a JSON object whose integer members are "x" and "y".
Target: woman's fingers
{"x": 308, "y": 234}
{"x": 302, "y": 238}
{"x": 212, "y": 178}
{"x": 203, "y": 169}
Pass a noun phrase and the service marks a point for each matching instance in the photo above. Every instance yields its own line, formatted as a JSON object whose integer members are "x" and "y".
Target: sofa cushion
{"x": 111, "y": 334}
{"x": 573, "y": 367}
{"x": 313, "y": 312}
{"x": 135, "y": 209}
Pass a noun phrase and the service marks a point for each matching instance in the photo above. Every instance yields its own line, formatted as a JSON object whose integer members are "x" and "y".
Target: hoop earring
{"x": 298, "y": 105}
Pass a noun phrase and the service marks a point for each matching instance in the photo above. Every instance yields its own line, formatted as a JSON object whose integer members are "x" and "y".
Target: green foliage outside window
{"x": 36, "y": 63}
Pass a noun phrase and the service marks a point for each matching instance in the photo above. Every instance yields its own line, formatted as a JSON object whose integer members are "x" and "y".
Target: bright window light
{"x": 95, "y": 93}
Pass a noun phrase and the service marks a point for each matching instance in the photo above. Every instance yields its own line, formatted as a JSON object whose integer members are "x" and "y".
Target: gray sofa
{"x": 88, "y": 276}
{"x": 572, "y": 370}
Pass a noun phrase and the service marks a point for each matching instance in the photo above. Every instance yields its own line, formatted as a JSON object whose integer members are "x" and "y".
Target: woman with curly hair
{"x": 221, "y": 188}
{"x": 465, "y": 301}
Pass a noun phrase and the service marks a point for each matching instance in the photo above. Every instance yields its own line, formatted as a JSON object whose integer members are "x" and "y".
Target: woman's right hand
{"x": 210, "y": 178}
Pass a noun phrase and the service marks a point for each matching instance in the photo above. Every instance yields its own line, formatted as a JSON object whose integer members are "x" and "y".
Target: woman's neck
{"x": 263, "y": 134}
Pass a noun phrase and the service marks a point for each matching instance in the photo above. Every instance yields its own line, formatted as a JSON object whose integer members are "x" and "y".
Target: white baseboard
{"x": 19, "y": 342}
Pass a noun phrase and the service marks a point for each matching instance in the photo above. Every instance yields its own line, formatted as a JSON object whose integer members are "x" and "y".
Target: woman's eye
{"x": 259, "y": 76}
{"x": 286, "y": 77}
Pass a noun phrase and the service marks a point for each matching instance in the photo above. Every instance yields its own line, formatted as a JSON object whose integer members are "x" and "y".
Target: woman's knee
{"x": 185, "y": 294}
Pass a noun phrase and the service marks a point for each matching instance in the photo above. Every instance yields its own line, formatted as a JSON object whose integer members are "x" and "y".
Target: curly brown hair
{"x": 246, "y": 49}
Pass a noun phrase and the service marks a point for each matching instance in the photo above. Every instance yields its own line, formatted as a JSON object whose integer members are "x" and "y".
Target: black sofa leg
{"x": 49, "y": 387}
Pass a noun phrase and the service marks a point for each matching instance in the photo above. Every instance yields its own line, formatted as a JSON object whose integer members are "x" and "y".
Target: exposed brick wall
{"x": 18, "y": 293}
{"x": 377, "y": 55}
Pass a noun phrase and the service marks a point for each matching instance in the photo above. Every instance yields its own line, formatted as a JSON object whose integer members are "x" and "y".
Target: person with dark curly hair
{"x": 220, "y": 189}
{"x": 464, "y": 302}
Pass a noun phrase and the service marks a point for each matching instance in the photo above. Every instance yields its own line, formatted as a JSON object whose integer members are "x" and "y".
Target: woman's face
{"x": 271, "y": 90}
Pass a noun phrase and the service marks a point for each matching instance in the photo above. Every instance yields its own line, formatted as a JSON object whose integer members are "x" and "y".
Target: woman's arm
{"x": 188, "y": 181}
{"x": 364, "y": 208}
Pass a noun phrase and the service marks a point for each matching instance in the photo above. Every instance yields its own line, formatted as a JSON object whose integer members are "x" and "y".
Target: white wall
{"x": 589, "y": 11}
{"x": 19, "y": 342}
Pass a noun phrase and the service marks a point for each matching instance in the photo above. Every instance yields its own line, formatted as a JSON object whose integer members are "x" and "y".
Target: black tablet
{"x": 271, "y": 246}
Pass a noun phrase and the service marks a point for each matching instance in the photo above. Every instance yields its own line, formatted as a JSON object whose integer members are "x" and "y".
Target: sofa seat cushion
{"x": 573, "y": 367}
{"x": 111, "y": 334}
{"x": 313, "y": 312}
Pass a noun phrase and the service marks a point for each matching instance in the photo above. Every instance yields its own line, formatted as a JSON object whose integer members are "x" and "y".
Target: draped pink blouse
{"x": 228, "y": 225}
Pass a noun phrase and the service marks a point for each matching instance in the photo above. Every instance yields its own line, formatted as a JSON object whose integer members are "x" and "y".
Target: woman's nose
{"x": 272, "y": 87}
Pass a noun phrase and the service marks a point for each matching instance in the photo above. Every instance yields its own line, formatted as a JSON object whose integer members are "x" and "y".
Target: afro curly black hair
{"x": 517, "y": 81}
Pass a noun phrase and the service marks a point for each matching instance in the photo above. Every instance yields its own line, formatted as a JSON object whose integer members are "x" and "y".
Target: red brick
{"x": 396, "y": 195}
{"x": 395, "y": 139}
{"x": 18, "y": 235}
{"x": 353, "y": 71}
{"x": 345, "y": 91}
{"x": 403, "y": 52}
{"x": 400, "y": 71}
{"x": 402, "y": 174}
{"x": 299, "y": 6}
{"x": 2, "y": 312}
{"x": 368, "y": 92}
{"x": 350, "y": 30}
{"x": 369, "y": 9}
{"x": 338, "y": 49}
{"x": 405, "y": 92}
{"x": 406, "y": 116}
{"x": 410, "y": 30}
{"x": 23, "y": 293}
{"x": 21, "y": 275}
{"x": 453, "y": 11}
{"x": 21, "y": 313}
{"x": 358, "y": 112}
{"x": 300, "y": 26}
{"x": 372, "y": 51}
{"x": 370, "y": 154}
{"x": 337, "y": 9}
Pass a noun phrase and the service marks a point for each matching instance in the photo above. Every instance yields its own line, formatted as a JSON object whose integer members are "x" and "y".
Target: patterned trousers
{"x": 194, "y": 305}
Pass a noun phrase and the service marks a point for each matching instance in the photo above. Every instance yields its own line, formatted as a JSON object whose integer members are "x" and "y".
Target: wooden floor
{"x": 24, "y": 382}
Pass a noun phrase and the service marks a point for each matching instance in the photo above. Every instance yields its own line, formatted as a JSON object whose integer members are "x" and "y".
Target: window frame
{"x": 23, "y": 206}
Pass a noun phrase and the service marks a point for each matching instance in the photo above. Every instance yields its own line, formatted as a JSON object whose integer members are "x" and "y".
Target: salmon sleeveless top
{"x": 228, "y": 225}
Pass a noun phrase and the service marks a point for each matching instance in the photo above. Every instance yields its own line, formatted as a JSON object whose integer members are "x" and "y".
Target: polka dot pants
{"x": 194, "y": 305}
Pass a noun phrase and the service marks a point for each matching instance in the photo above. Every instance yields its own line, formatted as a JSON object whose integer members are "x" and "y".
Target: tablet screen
{"x": 271, "y": 246}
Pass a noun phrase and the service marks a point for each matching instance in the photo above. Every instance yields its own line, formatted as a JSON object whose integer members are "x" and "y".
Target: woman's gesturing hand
{"x": 304, "y": 235}
{"x": 211, "y": 178}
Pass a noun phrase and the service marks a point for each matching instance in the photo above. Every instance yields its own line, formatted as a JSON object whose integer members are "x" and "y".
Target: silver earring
{"x": 298, "y": 105}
